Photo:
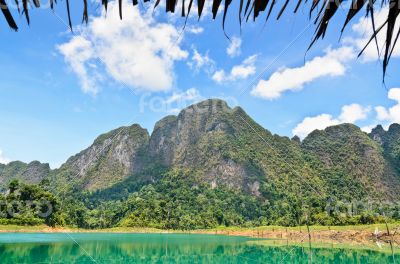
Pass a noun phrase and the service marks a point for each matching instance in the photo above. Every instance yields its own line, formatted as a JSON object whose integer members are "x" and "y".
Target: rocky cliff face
{"x": 33, "y": 172}
{"x": 390, "y": 143}
{"x": 174, "y": 136}
{"x": 192, "y": 140}
{"x": 226, "y": 147}
{"x": 112, "y": 157}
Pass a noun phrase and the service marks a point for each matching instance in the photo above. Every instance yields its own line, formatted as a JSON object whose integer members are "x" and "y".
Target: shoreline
{"x": 341, "y": 234}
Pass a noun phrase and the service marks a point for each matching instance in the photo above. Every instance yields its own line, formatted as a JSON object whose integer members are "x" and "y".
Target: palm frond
{"x": 327, "y": 10}
{"x": 7, "y": 15}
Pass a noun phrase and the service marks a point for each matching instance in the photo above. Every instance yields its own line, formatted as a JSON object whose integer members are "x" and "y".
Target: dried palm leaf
{"x": 327, "y": 10}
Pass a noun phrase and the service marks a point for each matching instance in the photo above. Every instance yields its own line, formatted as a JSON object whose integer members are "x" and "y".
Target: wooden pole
{"x": 309, "y": 242}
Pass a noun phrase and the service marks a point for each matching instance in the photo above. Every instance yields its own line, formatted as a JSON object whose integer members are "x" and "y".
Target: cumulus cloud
{"x": 238, "y": 72}
{"x": 190, "y": 95}
{"x": 353, "y": 112}
{"x": 171, "y": 104}
{"x": 333, "y": 63}
{"x": 3, "y": 159}
{"x": 137, "y": 51}
{"x": 194, "y": 29}
{"x": 391, "y": 114}
{"x": 77, "y": 53}
{"x": 233, "y": 49}
{"x": 309, "y": 124}
{"x": 349, "y": 114}
{"x": 200, "y": 61}
{"x": 362, "y": 32}
{"x": 368, "y": 128}
{"x": 293, "y": 79}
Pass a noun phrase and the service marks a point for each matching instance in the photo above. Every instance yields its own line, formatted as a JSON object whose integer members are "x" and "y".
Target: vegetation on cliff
{"x": 212, "y": 165}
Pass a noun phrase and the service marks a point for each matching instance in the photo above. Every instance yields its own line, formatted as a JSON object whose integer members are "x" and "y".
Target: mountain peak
{"x": 378, "y": 129}
{"x": 132, "y": 129}
{"x": 33, "y": 172}
{"x": 394, "y": 128}
{"x": 112, "y": 157}
{"x": 214, "y": 102}
{"x": 335, "y": 130}
{"x": 206, "y": 107}
{"x": 343, "y": 127}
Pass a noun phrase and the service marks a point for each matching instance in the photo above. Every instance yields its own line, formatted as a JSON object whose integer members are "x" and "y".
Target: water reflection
{"x": 172, "y": 248}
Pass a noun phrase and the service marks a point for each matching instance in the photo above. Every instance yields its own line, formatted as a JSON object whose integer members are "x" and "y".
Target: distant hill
{"x": 353, "y": 162}
{"x": 390, "y": 142}
{"x": 33, "y": 172}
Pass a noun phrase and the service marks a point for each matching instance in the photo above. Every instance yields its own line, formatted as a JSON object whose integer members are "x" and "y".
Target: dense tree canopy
{"x": 181, "y": 201}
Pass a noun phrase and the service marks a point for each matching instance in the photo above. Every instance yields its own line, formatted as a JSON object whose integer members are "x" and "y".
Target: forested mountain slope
{"x": 214, "y": 165}
{"x": 33, "y": 172}
{"x": 354, "y": 163}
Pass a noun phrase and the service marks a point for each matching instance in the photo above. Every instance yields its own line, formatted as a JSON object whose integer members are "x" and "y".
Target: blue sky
{"x": 61, "y": 90}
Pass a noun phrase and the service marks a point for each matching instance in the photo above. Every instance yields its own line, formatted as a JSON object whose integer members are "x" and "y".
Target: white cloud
{"x": 199, "y": 62}
{"x": 191, "y": 95}
{"x": 349, "y": 114}
{"x": 309, "y": 124}
{"x": 233, "y": 49}
{"x": 353, "y": 112}
{"x": 203, "y": 62}
{"x": 363, "y": 31}
{"x": 77, "y": 52}
{"x": 241, "y": 71}
{"x": 171, "y": 104}
{"x": 194, "y": 29}
{"x": 333, "y": 63}
{"x": 294, "y": 79}
{"x": 3, "y": 159}
{"x": 368, "y": 128}
{"x": 391, "y": 114}
{"x": 137, "y": 51}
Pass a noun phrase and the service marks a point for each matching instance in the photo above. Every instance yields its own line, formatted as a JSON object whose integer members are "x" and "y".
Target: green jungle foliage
{"x": 30, "y": 204}
{"x": 181, "y": 201}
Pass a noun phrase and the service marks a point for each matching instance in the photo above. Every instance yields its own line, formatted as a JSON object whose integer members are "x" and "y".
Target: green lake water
{"x": 172, "y": 248}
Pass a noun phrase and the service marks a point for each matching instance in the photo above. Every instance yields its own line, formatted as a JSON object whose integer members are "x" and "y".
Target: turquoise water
{"x": 168, "y": 248}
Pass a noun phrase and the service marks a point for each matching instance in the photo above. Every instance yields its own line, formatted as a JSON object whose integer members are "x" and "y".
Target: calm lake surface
{"x": 170, "y": 248}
